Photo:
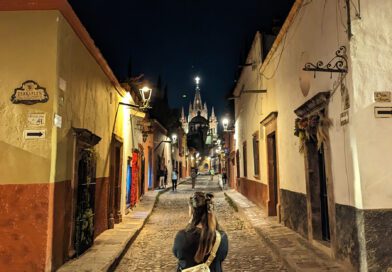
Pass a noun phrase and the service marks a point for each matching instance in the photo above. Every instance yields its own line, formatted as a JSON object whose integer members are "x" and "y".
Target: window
{"x": 237, "y": 159}
{"x": 244, "y": 158}
{"x": 256, "y": 158}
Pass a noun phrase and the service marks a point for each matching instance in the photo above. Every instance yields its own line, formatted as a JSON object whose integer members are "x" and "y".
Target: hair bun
{"x": 199, "y": 199}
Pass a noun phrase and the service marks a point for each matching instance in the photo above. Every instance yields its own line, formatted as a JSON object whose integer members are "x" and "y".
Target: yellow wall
{"x": 90, "y": 102}
{"x": 86, "y": 102}
{"x": 27, "y": 52}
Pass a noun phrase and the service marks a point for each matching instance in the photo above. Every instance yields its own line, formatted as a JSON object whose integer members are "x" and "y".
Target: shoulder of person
{"x": 180, "y": 236}
{"x": 223, "y": 234}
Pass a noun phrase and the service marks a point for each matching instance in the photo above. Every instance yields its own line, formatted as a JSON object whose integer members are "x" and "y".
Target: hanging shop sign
{"x": 29, "y": 93}
{"x": 382, "y": 97}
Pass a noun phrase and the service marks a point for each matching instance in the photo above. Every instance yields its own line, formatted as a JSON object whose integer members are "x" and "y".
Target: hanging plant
{"x": 322, "y": 130}
{"x": 314, "y": 127}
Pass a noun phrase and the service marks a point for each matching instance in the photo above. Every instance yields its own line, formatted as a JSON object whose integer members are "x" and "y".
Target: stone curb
{"x": 262, "y": 235}
{"x": 301, "y": 256}
{"x": 87, "y": 263}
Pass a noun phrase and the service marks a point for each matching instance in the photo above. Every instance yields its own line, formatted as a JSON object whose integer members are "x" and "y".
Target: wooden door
{"x": 114, "y": 211}
{"x": 272, "y": 175}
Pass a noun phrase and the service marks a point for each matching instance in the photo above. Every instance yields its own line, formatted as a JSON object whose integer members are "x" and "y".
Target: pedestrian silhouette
{"x": 202, "y": 236}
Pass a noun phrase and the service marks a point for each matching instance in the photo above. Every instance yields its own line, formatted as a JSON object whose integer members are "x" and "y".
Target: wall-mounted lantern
{"x": 174, "y": 138}
{"x": 145, "y": 93}
{"x": 146, "y": 128}
{"x": 225, "y": 123}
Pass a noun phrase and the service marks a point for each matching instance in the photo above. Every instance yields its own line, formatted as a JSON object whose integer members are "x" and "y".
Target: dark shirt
{"x": 185, "y": 247}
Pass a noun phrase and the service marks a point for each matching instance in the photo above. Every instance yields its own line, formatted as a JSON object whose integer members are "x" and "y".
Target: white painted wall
{"x": 371, "y": 57}
{"x": 249, "y": 111}
{"x": 313, "y": 36}
{"x": 359, "y": 150}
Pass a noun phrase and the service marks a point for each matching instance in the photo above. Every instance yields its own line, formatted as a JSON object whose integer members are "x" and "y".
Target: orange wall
{"x": 23, "y": 226}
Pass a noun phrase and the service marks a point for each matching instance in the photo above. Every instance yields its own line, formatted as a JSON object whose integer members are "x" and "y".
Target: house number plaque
{"x": 29, "y": 93}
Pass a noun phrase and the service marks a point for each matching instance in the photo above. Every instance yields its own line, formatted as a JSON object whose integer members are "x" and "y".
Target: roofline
{"x": 160, "y": 126}
{"x": 69, "y": 14}
{"x": 255, "y": 38}
{"x": 284, "y": 29}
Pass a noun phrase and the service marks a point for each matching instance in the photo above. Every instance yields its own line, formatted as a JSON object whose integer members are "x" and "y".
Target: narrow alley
{"x": 152, "y": 249}
{"x": 104, "y": 104}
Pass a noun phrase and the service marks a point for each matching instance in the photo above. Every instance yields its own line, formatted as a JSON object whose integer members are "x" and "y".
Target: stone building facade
{"x": 311, "y": 149}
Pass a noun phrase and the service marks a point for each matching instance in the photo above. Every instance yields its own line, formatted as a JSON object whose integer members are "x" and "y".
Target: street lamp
{"x": 145, "y": 93}
{"x": 174, "y": 138}
{"x": 225, "y": 123}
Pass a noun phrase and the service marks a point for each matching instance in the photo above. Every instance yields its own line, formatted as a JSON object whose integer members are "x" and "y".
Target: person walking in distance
{"x": 212, "y": 173}
{"x": 174, "y": 180}
{"x": 165, "y": 176}
{"x": 193, "y": 176}
{"x": 161, "y": 175}
{"x": 224, "y": 177}
{"x": 202, "y": 243}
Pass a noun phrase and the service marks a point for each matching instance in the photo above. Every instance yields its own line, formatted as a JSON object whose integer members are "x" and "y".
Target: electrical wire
{"x": 341, "y": 18}
{"x": 284, "y": 42}
{"x": 357, "y": 11}
{"x": 280, "y": 58}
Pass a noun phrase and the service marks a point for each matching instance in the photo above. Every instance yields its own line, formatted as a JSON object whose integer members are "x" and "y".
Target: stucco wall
{"x": 250, "y": 110}
{"x": 90, "y": 102}
{"x": 359, "y": 170}
{"x": 372, "y": 68}
{"x": 314, "y": 35}
{"x": 27, "y": 52}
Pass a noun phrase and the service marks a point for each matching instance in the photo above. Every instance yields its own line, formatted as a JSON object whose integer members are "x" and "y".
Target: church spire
{"x": 182, "y": 113}
{"x": 197, "y": 80}
{"x": 213, "y": 114}
{"x": 197, "y": 103}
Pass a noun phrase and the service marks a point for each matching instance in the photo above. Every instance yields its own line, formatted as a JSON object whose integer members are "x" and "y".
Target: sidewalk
{"x": 109, "y": 246}
{"x": 295, "y": 251}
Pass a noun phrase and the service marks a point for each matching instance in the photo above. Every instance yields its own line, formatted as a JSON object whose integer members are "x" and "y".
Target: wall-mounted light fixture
{"x": 174, "y": 138}
{"x": 145, "y": 93}
{"x": 225, "y": 123}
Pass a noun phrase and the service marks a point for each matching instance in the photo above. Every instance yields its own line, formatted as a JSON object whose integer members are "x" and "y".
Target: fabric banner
{"x": 135, "y": 178}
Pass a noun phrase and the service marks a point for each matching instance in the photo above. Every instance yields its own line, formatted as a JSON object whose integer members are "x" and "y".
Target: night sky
{"x": 179, "y": 39}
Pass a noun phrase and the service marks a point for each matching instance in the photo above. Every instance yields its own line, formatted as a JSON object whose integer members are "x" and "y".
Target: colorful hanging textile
{"x": 135, "y": 178}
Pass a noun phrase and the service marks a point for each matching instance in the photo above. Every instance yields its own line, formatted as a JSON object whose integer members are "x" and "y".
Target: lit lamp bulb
{"x": 174, "y": 138}
{"x": 145, "y": 93}
{"x": 225, "y": 123}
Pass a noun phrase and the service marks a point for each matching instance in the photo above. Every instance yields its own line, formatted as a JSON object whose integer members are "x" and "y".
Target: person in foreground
{"x": 193, "y": 245}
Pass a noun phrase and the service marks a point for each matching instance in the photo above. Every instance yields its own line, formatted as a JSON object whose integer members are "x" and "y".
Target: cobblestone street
{"x": 152, "y": 249}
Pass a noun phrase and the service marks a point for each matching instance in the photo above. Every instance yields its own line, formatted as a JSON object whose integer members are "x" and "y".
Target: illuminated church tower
{"x": 196, "y": 107}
